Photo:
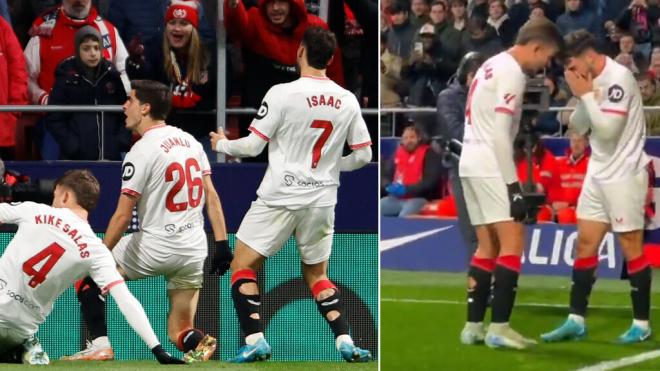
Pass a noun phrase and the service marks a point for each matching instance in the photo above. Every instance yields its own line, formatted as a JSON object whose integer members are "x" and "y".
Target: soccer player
{"x": 492, "y": 192}
{"x": 53, "y": 247}
{"x": 306, "y": 123}
{"x": 614, "y": 190}
{"x": 167, "y": 175}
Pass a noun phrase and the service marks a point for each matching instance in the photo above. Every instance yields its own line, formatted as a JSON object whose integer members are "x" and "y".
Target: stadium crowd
{"x": 42, "y": 64}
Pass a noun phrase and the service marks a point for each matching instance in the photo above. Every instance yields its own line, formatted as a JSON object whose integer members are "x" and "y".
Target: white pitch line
{"x": 622, "y": 362}
{"x": 538, "y": 305}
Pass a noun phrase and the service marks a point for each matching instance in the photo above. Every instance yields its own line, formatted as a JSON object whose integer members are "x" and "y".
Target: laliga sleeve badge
{"x": 615, "y": 93}
{"x": 127, "y": 171}
{"x": 263, "y": 111}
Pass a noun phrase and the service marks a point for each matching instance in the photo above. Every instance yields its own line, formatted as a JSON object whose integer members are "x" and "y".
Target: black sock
{"x": 245, "y": 306}
{"x": 480, "y": 274}
{"x": 339, "y": 326}
{"x": 584, "y": 277}
{"x": 504, "y": 288}
{"x": 189, "y": 339}
{"x": 640, "y": 284}
{"x": 92, "y": 306}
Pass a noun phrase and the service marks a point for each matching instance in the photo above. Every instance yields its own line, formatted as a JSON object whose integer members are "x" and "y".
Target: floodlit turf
{"x": 423, "y": 314}
{"x": 153, "y": 365}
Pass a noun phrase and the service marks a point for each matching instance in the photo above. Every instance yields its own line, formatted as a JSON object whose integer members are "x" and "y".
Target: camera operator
{"x": 451, "y": 120}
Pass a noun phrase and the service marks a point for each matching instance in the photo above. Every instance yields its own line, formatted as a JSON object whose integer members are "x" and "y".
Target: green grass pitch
{"x": 215, "y": 365}
{"x": 423, "y": 313}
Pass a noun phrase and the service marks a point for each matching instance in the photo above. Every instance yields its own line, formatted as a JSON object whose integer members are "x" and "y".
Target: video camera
{"x": 15, "y": 187}
{"x": 535, "y": 100}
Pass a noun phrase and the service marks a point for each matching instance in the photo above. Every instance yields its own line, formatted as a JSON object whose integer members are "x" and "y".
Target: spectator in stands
{"x": 88, "y": 79}
{"x": 649, "y": 91}
{"x": 538, "y": 11}
{"x": 185, "y": 64}
{"x": 50, "y": 43}
{"x": 451, "y": 120}
{"x": 412, "y": 178}
{"x": 638, "y": 19}
{"x": 544, "y": 169}
{"x": 458, "y": 10}
{"x": 390, "y": 76}
{"x": 519, "y": 13}
{"x": 577, "y": 16}
{"x": 450, "y": 40}
{"x": 611, "y": 10}
{"x": 572, "y": 169}
{"x": 419, "y": 13}
{"x": 481, "y": 37}
{"x": 627, "y": 46}
{"x": 628, "y": 61}
{"x": 13, "y": 87}
{"x": 479, "y": 7}
{"x": 655, "y": 65}
{"x": 400, "y": 36}
{"x": 422, "y": 70}
{"x": 500, "y": 21}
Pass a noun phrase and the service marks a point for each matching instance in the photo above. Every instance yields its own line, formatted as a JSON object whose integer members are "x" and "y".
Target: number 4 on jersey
{"x": 53, "y": 253}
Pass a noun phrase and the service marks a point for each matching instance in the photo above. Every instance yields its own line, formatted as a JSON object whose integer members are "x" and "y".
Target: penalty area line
{"x": 622, "y": 362}
{"x": 533, "y": 305}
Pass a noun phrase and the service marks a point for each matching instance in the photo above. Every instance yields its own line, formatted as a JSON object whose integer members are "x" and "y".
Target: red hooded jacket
{"x": 13, "y": 82}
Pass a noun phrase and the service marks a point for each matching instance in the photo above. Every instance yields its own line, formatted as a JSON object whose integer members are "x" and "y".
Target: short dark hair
{"x": 156, "y": 94}
{"x": 83, "y": 184}
{"x": 577, "y": 42}
{"x": 540, "y": 30}
{"x": 439, "y": 2}
{"x": 320, "y": 44}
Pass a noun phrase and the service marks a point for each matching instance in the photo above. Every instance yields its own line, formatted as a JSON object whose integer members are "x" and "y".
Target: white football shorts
{"x": 619, "y": 204}
{"x": 10, "y": 337}
{"x": 266, "y": 229}
{"x": 487, "y": 200}
{"x": 140, "y": 259}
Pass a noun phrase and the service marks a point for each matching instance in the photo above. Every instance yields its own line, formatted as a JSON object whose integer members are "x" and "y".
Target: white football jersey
{"x": 306, "y": 123}
{"x": 52, "y": 248}
{"x": 164, "y": 169}
{"x": 498, "y": 86}
{"x": 617, "y": 93}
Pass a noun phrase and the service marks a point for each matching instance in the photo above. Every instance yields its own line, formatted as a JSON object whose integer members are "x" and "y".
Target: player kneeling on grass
{"x": 614, "y": 190}
{"x": 306, "y": 123}
{"x": 492, "y": 192}
{"x": 53, "y": 247}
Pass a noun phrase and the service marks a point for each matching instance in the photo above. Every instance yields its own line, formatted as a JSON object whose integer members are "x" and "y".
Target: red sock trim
{"x": 79, "y": 287}
{"x": 511, "y": 262}
{"x": 247, "y": 274}
{"x": 179, "y": 338}
{"x": 637, "y": 264}
{"x": 322, "y": 285}
{"x": 586, "y": 263}
{"x": 485, "y": 264}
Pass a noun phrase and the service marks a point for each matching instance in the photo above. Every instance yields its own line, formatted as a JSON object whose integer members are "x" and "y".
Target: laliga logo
{"x": 180, "y": 13}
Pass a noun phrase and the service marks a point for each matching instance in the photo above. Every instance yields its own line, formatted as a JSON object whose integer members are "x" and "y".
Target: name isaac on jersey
{"x": 321, "y": 100}
{"x": 66, "y": 228}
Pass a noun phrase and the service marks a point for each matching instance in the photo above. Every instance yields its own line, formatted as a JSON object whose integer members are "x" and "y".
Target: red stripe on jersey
{"x": 153, "y": 127}
{"x": 260, "y": 134}
{"x": 130, "y": 192}
{"x": 315, "y": 77}
{"x": 360, "y": 145}
{"x": 504, "y": 110}
{"x": 206, "y": 172}
{"x": 615, "y": 111}
{"x": 107, "y": 288}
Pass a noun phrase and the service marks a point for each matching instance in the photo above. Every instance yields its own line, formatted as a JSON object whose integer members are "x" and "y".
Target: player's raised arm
{"x": 15, "y": 213}
{"x": 263, "y": 127}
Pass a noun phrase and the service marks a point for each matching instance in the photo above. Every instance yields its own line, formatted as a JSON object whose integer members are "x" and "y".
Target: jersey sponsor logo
{"x": 615, "y": 93}
{"x": 127, "y": 171}
{"x": 21, "y": 299}
{"x": 290, "y": 180}
{"x": 263, "y": 110}
{"x": 172, "y": 228}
